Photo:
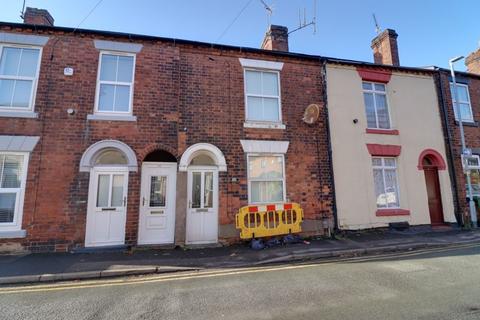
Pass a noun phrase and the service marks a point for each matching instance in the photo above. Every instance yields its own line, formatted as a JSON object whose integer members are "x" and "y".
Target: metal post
{"x": 471, "y": 203}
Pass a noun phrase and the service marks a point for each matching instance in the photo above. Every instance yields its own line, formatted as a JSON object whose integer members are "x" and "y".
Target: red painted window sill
{"x": 392, "y": 212}
{"x": 382, "y": 131}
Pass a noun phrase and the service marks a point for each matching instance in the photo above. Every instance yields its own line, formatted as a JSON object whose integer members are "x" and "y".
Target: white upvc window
{"x": 376, "y": 106}
{"x": 463, "y": 102}
{"x": 19, "y": 69}
{"x": 13, "y": 172}
{"x": 115, "y": 83}
{"x": 266, "y": 178}
{"x": 385, "y": 181}
{"x": 262, "y": 96}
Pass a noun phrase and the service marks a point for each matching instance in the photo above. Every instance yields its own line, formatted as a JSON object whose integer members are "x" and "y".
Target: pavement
{"x": 48, "y": 267}
{"x": 427, "y": 284}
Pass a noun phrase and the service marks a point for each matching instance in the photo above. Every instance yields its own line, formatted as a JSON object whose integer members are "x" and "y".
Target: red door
{"x": 434, "y": 196}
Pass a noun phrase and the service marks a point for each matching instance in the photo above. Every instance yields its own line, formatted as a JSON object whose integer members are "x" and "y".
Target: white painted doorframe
{"x": 202, "y": 221}
{"x": 106, "y": 219}
{"x": 157, "y": 220}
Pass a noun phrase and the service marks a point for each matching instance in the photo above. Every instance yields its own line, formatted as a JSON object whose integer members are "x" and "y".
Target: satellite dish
{"x": 311, "y": 114}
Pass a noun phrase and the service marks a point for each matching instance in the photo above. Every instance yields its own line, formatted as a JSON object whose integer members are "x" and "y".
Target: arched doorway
{"x": 202, "y": 162}
{"x": 108, "y": 162}
{"x": 156, "y": 223}
{"x": 430, "y": 161}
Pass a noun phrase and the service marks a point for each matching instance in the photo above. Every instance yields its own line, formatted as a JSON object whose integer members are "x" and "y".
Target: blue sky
{"x": 430, "y": 31}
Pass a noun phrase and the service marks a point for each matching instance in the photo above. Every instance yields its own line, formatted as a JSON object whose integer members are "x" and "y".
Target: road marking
{"x": 214, "y": 273}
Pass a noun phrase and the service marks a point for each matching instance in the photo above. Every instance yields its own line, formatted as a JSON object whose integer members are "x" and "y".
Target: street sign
{"x": 467, "y": 152}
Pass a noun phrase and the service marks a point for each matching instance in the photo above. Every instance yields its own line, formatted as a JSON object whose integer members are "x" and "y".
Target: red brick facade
{"x": 452, "y": 131}
{"x": 184, "y": 93}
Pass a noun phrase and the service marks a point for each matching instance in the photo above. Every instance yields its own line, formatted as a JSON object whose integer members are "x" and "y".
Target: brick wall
{"x": 183, "y": 94}
{"x": 471, "y": 130}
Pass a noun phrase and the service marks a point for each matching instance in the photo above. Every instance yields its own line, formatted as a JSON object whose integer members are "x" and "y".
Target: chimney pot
{"x": 37, "y": 17}
{"x": 276, "y": 38}
{"x": 385, "y": 48}
{"x": 472, "y": 61}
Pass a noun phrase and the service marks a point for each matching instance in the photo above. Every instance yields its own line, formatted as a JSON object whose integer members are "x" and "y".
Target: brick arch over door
{"x": 434, "y": 156}
{"x": 154, "y": 147}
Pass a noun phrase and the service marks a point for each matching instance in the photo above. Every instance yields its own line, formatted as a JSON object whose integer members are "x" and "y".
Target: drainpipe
{"x": 448, "y": 142}
{"x": 329, "y": 143}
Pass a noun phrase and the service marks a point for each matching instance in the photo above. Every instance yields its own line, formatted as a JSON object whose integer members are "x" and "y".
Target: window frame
{"x": 376, "y": 92}
{"x": 33, "y": 93}
{"x": 246, "y": 95}
{"x": 16, "y": 224}
{"x": 454, "y": 102}
{"x": 249, "y": 180}
{"x": 383, "y": 167}
{"x": 100, "y": 82}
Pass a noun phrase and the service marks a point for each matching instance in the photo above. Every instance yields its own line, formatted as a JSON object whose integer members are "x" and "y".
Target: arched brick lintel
{"x": 435, "y": 156}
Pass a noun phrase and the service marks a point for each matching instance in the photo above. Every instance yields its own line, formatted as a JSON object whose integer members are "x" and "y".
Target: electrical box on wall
{"x": 68, "y": 71}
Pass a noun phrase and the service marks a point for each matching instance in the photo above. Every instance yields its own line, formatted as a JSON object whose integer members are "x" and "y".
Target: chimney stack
{"x": 276, "y": 39}
{"x": 385, "y": 49}
{"x": 472, "y": 61}
{"x": 38, "y": 17}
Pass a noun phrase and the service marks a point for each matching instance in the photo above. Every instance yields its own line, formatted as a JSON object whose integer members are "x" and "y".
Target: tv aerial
{"x": 269, "y": 9}
{"x": 302, "y": 20}
{"x": 377, "y": 26}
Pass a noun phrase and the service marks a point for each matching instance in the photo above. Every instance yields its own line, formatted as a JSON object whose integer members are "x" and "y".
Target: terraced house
{"x": 390, "y": 157}
{"x": 111, "y": 139}
{"x": 468, "y": 85}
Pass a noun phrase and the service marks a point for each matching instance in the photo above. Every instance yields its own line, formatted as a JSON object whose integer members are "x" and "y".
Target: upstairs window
{"x": 376, "y": 108}
{"x": 463, "y": 102}
{"x": 266, "y": 179}
{"x": 115, "y": 83}
{"x": 262, "y": 95}
{"x": 19, "y": 68}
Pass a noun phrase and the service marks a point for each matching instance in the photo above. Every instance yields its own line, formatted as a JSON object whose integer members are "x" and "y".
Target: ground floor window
{"x": 385, "y": 180}
{"x": 266, "y": 178}
{"x": 13, "y": 169}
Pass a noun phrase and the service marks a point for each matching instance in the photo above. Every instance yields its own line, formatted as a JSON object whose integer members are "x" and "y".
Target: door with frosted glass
{"x": 202, "y": 212}
{"x": 107, "y": 204}
{"x": 157, "y": 203}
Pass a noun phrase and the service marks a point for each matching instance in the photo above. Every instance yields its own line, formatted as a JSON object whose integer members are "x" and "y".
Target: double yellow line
{"x": 210, "y": 274}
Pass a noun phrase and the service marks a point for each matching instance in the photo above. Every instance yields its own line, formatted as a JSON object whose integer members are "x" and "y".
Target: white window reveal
{"x": 376, "y": 108}
{"x": 463, "y": 102}
{"x": 115, "y": 83}
{"x": 385, "y": 180}
{"x": 266, "y": 178}
{"x": 19, "y": 68}
{"x": 13, "y": 167}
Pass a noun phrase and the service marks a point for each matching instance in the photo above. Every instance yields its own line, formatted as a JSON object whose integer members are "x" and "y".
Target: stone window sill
{"x": 392, "y": 212}
{"x": 382, "y": 131}
{"x": 18, "y": 114}
{"x": 104, "y": 117}
{"x": 13, "y": 234}
{"x": 467, "y": 123}
{"x": 263, "y": 125}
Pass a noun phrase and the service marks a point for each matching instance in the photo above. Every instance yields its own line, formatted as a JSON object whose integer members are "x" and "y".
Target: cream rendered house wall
{"x": 414, "y": 111}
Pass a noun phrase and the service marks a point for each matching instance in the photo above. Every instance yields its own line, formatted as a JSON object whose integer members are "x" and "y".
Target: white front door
{"x": 202, "y": 211}
{"x": 157, "y": 203}
{"x": 107, "y": 207}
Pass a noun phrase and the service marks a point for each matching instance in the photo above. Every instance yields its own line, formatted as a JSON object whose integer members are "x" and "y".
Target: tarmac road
{"x": 433, "y": 284}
